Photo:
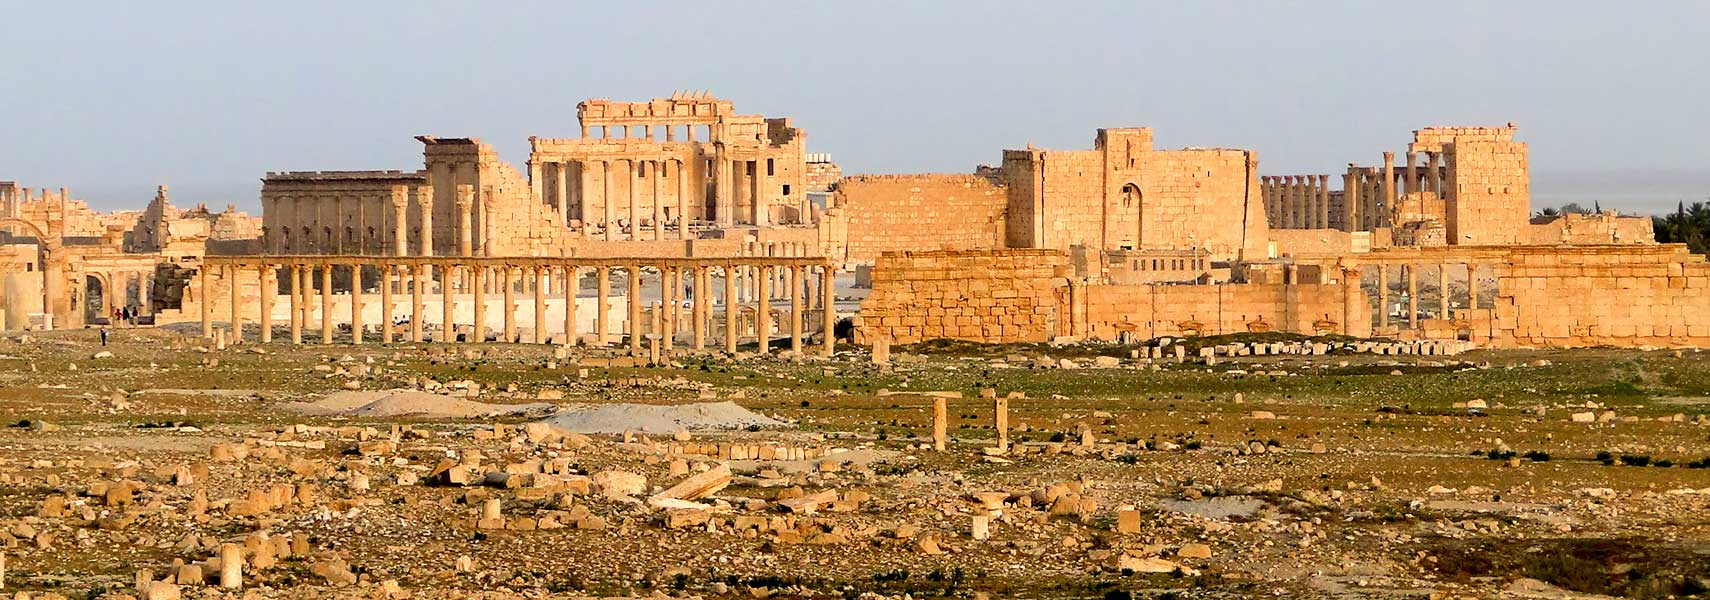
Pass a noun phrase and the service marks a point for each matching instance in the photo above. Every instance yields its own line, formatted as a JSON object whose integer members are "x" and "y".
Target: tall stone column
{"x": 1433, "y": 174}
{"x": 480, "y": 334}
{"x": 634, "y": 309}
{"x": 682, "y": 200}
{"x": 416, "y": 312}
{"x": 1268, "y": 191}
{"x": 424, "y": 206}
{"x": 269, "y": 284}
{"x": 1443, "y": 290}
{"x": 1356, "y": 318}
{"x": 763, "y": 310}
{"x": 400, "y": 220}
{"x": 237, "y": 303}
{"x": 723, "y": 198}
{"x": 634, "y": 178}
{"x": 1383, "y": 295}
{"x": 658, "y": 173}
{"x": 702, "y": 306}
{"x": 537, "y": 274}
{"x": 535, "y": 182}
{"x": 1323, "y": 201}
{"x": 609, "y": 223}
{"x": 296, "y": 274}
{"x": 1411, "y": 175}
{"x": 1472, "y": 286}
{"x": 326, "y": 304}
{"x": 207, "y": 298}
{"x": 465, "y": 232}
{"x": 668, "y": 286}
{"x": 508, "y": 310}
{"x": 448, "y": 305}
{"x": 1412, "y": 296}
{"x": 731, "y": 310}
{"x": 387, "y": 329}
{"x": 602, "y": 323}
{"x": 1350, "y": 202}
{"x": 1388, "y": 214}
{"x": 561, "y": 183}
{"x": 145, "y": 281}
{"x": 356, "y": 304}
{"x": 828, "y": 303}
{"x": 758, "y": 187}
{"x": 488, "y": 232}
{"x": 572, "y": 289}
{"x": 795, "y": 309}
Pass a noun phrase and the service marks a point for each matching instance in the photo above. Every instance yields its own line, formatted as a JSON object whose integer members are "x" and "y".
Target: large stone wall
{"x": 1614, "y": 296}
{"x": 992, "y": 296}
{"x": 1489, "y": 197}
{"x": 1124, "y": 195}
{"x": 1605, "y": 228}
{"x": 898, "y": 213}
{"x": 1150, "y": 311}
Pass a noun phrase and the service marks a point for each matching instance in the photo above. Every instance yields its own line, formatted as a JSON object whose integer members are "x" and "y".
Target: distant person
{"x": 103, "y": 336}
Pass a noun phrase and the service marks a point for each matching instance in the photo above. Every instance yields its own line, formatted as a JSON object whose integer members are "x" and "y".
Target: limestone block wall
{"x": 1611, "y": 295}
{"x": 1150, "y": 311}
{"x": 1203, "y": 198}
{"x": 1606, "y": 228}
{"x": 1489, "y": 196}
{"x": 1311, "y": 241}
{"x": 990, "y": 296}
{"x": 899, "y": 213}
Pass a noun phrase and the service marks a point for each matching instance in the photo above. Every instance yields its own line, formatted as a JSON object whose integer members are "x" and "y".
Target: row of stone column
{"x": 574, "y": 193}
{"x": 116, "y": 292}
{"x": 417, "y": 277}
{"x": 1297, "y": 201}
{"x": 302, "y": 229}
{"x": 1410, "y": 274}
{"x": 605, "y": 131}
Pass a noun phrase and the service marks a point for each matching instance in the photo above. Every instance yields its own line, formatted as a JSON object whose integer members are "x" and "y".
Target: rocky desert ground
{"x": 161, "y": 466}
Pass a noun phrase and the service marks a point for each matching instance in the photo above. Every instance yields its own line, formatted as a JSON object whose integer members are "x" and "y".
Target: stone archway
{"x": 97, "y": 293}
{"x": 1134, "y": 200}
{"x": 54, "y": 302}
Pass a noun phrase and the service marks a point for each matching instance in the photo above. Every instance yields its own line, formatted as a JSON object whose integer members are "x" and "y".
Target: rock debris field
{"x": 158, "y": 467}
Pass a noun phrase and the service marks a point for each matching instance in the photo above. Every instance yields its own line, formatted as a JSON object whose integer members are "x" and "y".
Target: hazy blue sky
{"x": 112, "y": 98}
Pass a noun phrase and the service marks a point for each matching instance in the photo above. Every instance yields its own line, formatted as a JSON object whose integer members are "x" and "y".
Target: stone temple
{"x": 679, "y": 223}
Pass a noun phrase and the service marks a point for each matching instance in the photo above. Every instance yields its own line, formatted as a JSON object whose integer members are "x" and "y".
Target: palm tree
{"x": 1690, "y": 225}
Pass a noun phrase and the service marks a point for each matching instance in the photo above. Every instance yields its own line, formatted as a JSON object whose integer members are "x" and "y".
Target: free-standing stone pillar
{"x": 537, "y": 275}
{"x": 448, "y": 322}
{"x": 561, "y": 181}
{"x": 1000, "y": 419}
{"x": 1443, "y": 291}
{"x": 1323, "y": 202}
{"x": 828, "y": 303}
{"x": 386, "y": 318}
{"x": 682, "y": 200}
{"x": 237, "y": 304}
{"x": 1472, "y": 286}
{"x": 634, "y": 309}
{"x": 602, "y": 324}
{"x": 326, "y": 304}
{"x": 400, "y": 220}
{"x": 231, "y": 566}
{"x": 668, "y": 286}
{"x": 1410, "y": 176}
{"x": 763, "y": 310}
{"x": 1433, "y": 175}
{"x": 634, "y": 176}
{"x": 1383, "y": 295}
{"x": 609, "y": 208}
{"x": 296, "y": 304}
{"x": 730, "y": 312}
{"x": 416, "y": 316}
{"x": 465, "y": 232}
{"x": 703, "y": 302}
{"x": 1350, "y": 201}
{"x": 207, "y": 301}
{"x": 1385, "y": 217}
{"x": 572, "y": 289}
{"x": 424, "y": 204}
{"x": 356, "y": 304}
{"x": 795, "y": 309}
{"x": 940, "y": 422}
{"x": 479, "y": 336}
{"x": 658, "y": 173}
{"x": 487, "y": 231}
{"x": 269, "y": 286}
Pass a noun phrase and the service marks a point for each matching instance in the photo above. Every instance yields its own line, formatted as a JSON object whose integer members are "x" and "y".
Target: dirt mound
{"x": 652, "y": 418}
{"x": 400, "y": 403}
